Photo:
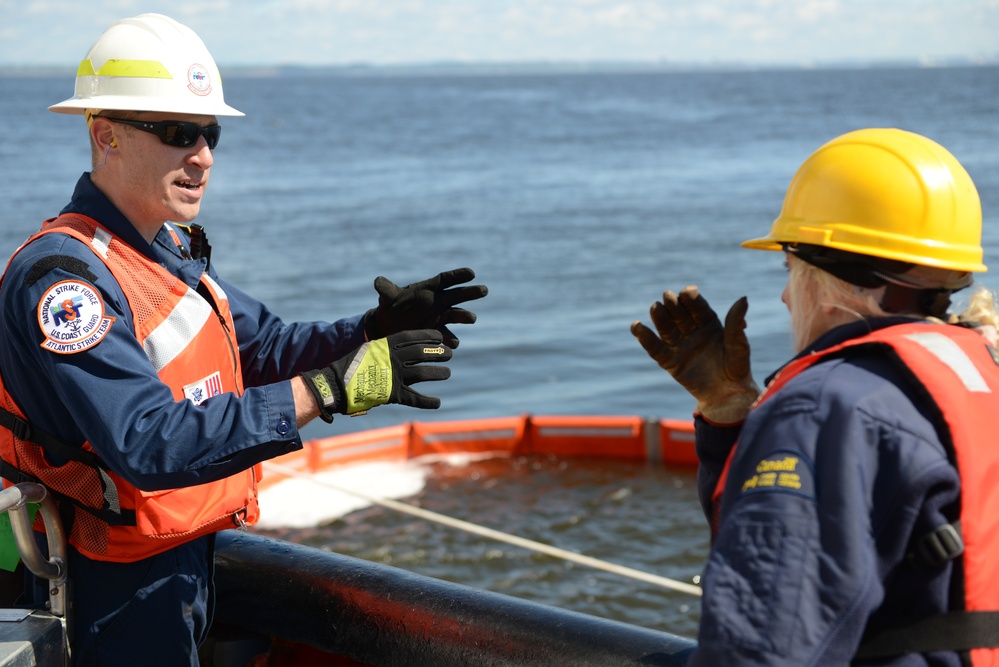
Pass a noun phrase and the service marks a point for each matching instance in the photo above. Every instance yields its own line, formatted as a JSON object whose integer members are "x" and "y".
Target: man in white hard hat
{"x": 142, "y": 389}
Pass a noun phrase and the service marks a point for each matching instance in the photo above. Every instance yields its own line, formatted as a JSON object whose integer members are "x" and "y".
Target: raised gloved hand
{"x": 380, "y": 371}
{"x": 709, "y": 360}
{"x": 428, "y": 304}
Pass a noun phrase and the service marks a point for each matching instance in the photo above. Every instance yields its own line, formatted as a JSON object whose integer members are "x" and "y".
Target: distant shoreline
{"x": 529, "y": 68}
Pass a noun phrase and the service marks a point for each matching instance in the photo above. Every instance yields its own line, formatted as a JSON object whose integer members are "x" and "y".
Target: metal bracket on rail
{"x": 14, "y": 500}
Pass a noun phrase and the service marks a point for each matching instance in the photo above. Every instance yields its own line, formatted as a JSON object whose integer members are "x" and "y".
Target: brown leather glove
{"x": 709, "y": 360}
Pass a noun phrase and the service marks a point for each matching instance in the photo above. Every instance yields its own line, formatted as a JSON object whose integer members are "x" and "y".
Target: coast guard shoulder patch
{"x": 71, "y": 317}
{"x": 785, "y": 472}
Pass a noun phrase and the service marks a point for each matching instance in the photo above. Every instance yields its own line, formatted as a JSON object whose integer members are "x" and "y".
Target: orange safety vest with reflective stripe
{"x": 959, "y": 370}
{"x": 191, "y": 343}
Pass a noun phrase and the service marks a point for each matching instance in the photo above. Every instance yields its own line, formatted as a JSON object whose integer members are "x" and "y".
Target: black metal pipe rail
{"x": 387, "y": 617}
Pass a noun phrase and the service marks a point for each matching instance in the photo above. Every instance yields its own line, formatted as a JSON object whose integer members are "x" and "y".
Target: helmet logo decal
{"x": 71, "y": 316}
{"x": 198, "y": 80}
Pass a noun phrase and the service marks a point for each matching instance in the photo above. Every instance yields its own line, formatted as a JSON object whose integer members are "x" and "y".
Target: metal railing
{"x": 387, "y": 617}
{"x": 14, "y": 500}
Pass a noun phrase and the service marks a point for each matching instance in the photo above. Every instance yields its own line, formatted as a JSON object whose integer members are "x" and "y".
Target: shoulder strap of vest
{"x": 959, "y": 630}
{"x": 112, "y": 513}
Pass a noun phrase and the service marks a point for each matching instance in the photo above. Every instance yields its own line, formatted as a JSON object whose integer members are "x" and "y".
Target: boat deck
{"x": 35, "y": 640}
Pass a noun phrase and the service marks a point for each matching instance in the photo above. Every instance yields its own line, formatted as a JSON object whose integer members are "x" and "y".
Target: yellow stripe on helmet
{"x": 149, "y": 69}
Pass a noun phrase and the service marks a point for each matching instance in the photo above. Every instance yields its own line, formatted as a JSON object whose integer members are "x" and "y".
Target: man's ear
{"x": 102, "y": 133}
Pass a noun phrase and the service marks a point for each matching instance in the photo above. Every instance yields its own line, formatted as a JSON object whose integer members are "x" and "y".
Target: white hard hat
{"x": 148, "y": 63}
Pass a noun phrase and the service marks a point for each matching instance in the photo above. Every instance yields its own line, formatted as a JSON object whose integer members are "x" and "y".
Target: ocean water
{"x": 577, "y": 198}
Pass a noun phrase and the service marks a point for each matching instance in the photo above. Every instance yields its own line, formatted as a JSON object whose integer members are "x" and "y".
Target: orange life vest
{"x": 190, "y": 340}
{"x": 959, "y": 370}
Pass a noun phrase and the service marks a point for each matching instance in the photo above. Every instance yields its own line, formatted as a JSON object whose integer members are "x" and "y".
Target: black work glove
{"x": 428, "y": 304}
{"x": 379, "y": 372}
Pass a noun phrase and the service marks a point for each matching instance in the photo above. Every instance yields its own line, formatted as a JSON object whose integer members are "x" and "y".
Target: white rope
{"x": 672, "y": 584}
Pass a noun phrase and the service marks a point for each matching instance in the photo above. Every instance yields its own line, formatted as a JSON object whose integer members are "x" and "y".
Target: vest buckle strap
{"x": 938, "y": 547}
{"x": 21, "y": 430}
{"x": 19, "y": 427}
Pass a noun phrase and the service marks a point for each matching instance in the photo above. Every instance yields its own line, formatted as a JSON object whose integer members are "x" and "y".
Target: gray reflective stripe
{"x": 216, "y": 287}
{"x": 171, "y": 337}
{"x": 100, "y": 242}
{"x": 951, "y": 354}
{"x": 354, "y": 363}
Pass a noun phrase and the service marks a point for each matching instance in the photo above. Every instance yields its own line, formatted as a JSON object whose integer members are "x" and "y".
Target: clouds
{"x": 316, "y": 32}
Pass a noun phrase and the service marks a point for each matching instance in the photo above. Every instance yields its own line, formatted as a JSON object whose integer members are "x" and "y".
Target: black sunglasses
{"x": 176, "y": 132}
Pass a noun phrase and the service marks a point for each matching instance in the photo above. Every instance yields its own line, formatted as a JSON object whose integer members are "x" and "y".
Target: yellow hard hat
{"x": 148, "y": 63}
{"x": 883, "y": 193}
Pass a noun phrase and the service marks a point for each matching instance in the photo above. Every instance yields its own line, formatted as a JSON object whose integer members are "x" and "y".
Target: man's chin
{"x": 185, "y": 214}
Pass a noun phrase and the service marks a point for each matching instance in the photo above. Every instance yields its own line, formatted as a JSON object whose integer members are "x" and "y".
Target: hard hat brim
{"x": 76, "y": 106}
{"x": 762, "y": 243}
{"x": 858, "y": 240}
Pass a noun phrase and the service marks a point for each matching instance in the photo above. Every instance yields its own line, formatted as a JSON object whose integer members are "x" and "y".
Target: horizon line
{"x": 551, "y": 66}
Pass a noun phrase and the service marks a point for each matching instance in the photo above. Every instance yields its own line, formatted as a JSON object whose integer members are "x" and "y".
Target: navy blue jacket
{"x": 795, "y": 575}
{"x": 111, "y": 396}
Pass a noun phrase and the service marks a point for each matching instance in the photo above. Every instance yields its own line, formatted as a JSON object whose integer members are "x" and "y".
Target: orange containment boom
{"x": 661, "y": 441}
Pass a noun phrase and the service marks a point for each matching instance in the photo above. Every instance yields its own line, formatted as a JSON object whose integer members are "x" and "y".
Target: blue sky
{"x": 323, "y": 32}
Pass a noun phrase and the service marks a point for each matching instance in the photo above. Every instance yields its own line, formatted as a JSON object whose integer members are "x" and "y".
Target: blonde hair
{"x": 981, "y": 309}
{"x": 820, "y": 301}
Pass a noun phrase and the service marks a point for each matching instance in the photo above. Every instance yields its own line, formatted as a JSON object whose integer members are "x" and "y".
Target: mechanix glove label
{"x": 324, "y": 390}
{"x": 368, "y": 380}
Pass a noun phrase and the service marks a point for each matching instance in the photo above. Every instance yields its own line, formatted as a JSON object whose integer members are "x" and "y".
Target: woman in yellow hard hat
{"x": 852, "y": 502}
